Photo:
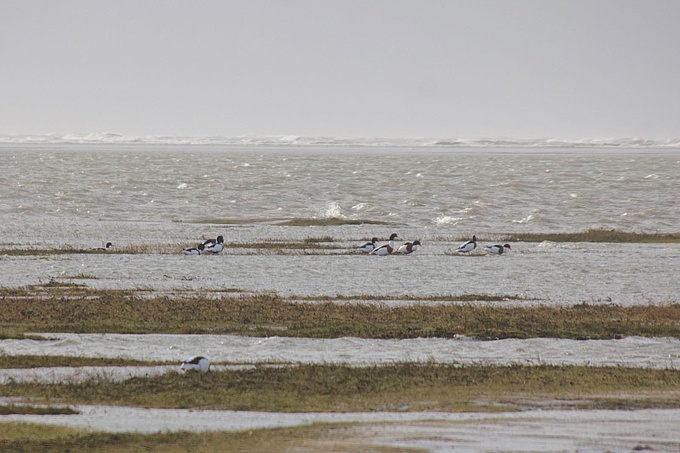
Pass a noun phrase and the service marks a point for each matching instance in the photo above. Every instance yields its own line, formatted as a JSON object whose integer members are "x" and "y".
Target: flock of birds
{"x": 373, "y": 247}
{"x": 497, "y": 249}
{"x": 210, "y": 246}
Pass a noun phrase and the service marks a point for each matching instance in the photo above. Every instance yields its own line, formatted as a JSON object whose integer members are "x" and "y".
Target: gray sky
{"x": 394, "y": 68}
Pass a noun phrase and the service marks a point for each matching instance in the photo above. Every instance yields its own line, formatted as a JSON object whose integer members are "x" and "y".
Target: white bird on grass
{"x": 196, "y": 363}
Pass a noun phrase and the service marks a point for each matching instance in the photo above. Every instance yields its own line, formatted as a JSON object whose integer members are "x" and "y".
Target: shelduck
{"x": 215, "y": 247}
{"x": 468, "y": 246}
{"x": 386, "y": 249}
{"x": 369, "y": 246}
{"x": 498, "y": 249}
{"x": 408, "y": 248}
{"x": 211, "y": 242}
{"x": 196, "y": 363}
{"x": 194, "y": 250}
{"x": 108, "y": 246}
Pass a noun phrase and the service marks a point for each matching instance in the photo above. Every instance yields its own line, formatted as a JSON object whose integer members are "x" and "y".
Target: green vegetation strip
{"x": 14, "y": 335}
{"x": 595, "y": 235}
{"x": 83, "y": 310}
{"x": 42, "y": 361}
{"x": 31, "y": 438}
{"x": 21, "y": 409}
{"x": 397, "y": 387}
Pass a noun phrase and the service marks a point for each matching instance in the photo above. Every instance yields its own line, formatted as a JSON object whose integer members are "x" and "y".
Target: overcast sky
{"x": 346, "y": 69}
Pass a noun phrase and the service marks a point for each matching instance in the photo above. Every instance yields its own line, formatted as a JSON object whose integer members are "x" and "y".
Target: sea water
{"x": 169, "y": 196}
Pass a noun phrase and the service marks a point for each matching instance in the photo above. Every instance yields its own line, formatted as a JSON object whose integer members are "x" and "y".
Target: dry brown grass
{"x": 595, "y": 235}
{"x": 25, "y": 409}
{"x": 42, "y": 361}
{"x": 68, "y": 308}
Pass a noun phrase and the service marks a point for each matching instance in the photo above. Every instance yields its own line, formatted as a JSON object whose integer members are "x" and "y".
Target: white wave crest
{"x": 361, "y": 207}
{"x": 447, "y": 220}
{"x": 331, "y": 211}
{"x": 530, "y": 218}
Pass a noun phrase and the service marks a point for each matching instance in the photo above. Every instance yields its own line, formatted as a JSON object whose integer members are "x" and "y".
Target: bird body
{"x": 196, "y": 363}
{"x": 215, "y": 247}
{"x": 108, "y": 246}
{"x": 498, "y": 249}
{"x": 468, "y": 246}
{"x": 369, "y": 246}
{"x": 408, "y": 248}
{"x": 386, "y": 249}
{"x": 211, "y": 242}
{"x": 194, "y": 250}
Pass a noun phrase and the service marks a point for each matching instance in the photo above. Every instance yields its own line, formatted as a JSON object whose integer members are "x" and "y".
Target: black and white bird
{"x": 196, "y": 363}
{"x": 468, "y": 246}
{"x": 408, "y": 248}
{"x": 369, "y": 246}
{"x": 386, "y": 249}
{"x": 194, "y": 250}
{"x": 214, "y": 247}
{"x": 108, "y": 246}
{"x": 210, "y": 242}
{"x": 498, "y": 249}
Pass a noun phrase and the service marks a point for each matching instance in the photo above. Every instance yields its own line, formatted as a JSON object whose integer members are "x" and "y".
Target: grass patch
{"x": 311, "y": 243}
{"x": 48, "y": 361}
{"x": 21, "y": 409}
{"x": 595, "y": 235}
{"x": 83, "y": 310}
{"x": 406, "y": 297}
{"x": 226, "y": 221}
{"x": 80, "y": 276}
{"x": 45, "y": 252}
{"x": 11, "y": 334}
{"x": 67, "y": 250}
{"x": 54, "y": 283}
{"x": 396, "y": 387}
{"x": 33, "y": 438}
